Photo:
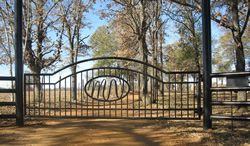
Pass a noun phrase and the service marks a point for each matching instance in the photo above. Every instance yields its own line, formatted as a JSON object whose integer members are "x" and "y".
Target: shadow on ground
{"x": 117, "y": 132}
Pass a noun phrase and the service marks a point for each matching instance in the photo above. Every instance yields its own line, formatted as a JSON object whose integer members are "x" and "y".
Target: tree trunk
{"x": 240, "y": 57}
{"x": 161, "y": 59}
{"x": 74, "y": 83}
{"x": 142, "y": 31}
{"x": 155, "y": 60}
{"x": 12, "y": 96}
{"x": 240, "y": 67}
{"x": 37, "y": 85}
{"x": 143, "y": 57}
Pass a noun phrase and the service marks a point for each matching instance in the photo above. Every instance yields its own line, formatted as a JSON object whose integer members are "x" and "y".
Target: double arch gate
{"x": 120, "y": 90}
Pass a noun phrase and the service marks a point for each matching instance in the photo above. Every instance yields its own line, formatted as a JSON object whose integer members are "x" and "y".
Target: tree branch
{"x": 246, "y": 21}
{"x": 221, "y": 23}
{"x": 185, "y": 4}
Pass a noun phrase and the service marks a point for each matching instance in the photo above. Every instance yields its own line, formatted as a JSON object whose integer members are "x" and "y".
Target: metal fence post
{"x": 18, "y": 62}
{"x": 207, "y": 68}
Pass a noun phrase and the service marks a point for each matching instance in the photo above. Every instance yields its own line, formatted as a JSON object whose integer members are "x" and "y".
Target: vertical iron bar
{"x": 44, "y": 97}
{"x": 75, "y": 92}
{"x": 81, "y": 93}
{"x": 25, "y": 86}
{"x": 182, "y": 76}
{"x": 169, "y": 95}
{"x": 18, "y": 62}
{"x": 199, "y": 95}
{"x": 232, "y": 110}
{"x": 145, "y": 100}
{"x": 194, "y": 93}
{"x": 92, "y": 99}
{"x": 207, "y": 69}
{"x": 40, "y": 96}
{"x": 157, "y": 97}
{"x": 133, "y": 94}
{"x": 120, "y": 76}
{"x": 128, "y": 91}
{"x": 139, "y": 88}
{"x": 65, "y": 89}
{"x": 70, "y": 96}
{"x": 175, "y": 92}
{"x": 115, "y": 101}
{"x": 49, "y": 96}
{"x": 111, "y": 93}
{"x": 60, "y": 96}
{"x": 188, "y": 96}
{"x": 29, "y": 94}
{"x": 152, "y": 98}
{"x": 87, "y": 102}
{"x": 34, "y": 97}
{"x": 104, "y": 103}
{"x": 98, "y": 73}
{"x": 217, "y": 85}
{"x": 54, "y": 99}
{"x": 163, "y": 104}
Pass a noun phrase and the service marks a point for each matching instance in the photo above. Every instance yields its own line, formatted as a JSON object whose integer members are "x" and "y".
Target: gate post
{"x": 18, "y": 62}
{"x": 207, "y": 68}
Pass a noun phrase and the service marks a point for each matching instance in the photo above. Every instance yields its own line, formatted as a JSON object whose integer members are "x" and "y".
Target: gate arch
{"x": 114, "y": 92}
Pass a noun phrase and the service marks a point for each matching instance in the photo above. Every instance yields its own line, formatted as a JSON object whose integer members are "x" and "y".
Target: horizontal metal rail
{"x": 118, "y": 109}
{"x": 107, "y": 117}
{"x": 230, "y": 103}
{"x": 230, "y": 74}
{"x": 239, "y": 118}
{"x": 7, "y": 90}
{"x": 7, "y": 103}
{"x": 7, "y": 116}
{"x": 7, "y": 78}
{"x": 230, "y": 88}
{"x": 2, "y": 78}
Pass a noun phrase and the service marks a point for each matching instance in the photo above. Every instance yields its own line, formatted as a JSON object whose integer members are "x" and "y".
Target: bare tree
{"x": 7, "y": 43}
{"x": 156, "y": 33}
{"x": 136, "y": 17}
{"x": 40, "y": 52}
{"x": 72, "y": 13}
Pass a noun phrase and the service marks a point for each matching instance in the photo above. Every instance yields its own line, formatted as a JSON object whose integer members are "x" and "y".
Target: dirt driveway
{"x": 117, "y": 132}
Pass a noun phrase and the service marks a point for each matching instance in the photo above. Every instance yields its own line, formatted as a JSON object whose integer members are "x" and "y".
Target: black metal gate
{"x": 117, "y": 91}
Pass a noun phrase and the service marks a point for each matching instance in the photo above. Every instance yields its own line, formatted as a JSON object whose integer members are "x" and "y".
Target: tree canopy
{"x": 137, "y": 29}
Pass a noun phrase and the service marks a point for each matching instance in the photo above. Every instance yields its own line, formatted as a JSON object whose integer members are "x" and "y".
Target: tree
{"x": 155, "y": 36}
{"x": 40, "y": 51}
{"x": 128, "y": 46}
{"x": 190, "y": 44}
{"x": 232, "y": 15}
{"x": 104, "y": 43}
{"x": 7, "y": 40}
{"x": 135, "y": 14}
{"x": 73, "y": 21}
{"x": 235, "y": 18}
{"x": 224, "y": 57}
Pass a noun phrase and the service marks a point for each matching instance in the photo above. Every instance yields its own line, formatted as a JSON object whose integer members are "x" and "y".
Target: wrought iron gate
{"x": 116, "y": 91}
